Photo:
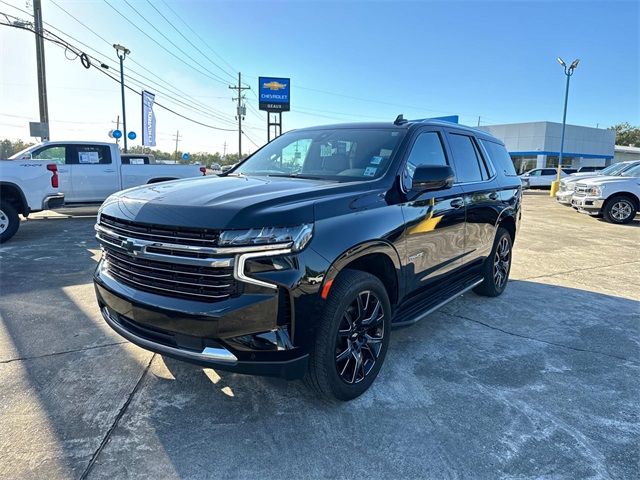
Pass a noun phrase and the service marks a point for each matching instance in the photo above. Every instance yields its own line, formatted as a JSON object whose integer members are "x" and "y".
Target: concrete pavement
{"x": 542, "y": 381}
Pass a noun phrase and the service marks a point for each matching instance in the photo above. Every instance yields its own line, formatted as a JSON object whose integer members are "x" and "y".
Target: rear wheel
{"x": 620, "y": 210}
{"x": 352, "y": 338}
{"x": 9, "y": 221}
{"x": 497, "y": 266}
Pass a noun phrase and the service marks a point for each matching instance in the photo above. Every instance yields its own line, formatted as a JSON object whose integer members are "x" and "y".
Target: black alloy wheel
{"x": 360, "y": 336}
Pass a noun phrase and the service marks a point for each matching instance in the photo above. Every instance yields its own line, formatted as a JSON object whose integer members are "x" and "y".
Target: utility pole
{"x": 478, "y": 120}
{"x": 224, "y": 149}
{"x": 242, "y": 110}
{"x": 42, "y": 78}
{"x": 177, "y": 139}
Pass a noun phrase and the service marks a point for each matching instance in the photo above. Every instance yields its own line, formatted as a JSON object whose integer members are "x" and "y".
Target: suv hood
{"x": 227, "y": 202}
{"x": 609, "y": 179}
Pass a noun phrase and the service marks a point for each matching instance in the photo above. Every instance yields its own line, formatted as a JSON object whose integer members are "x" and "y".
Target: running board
{"x": 432, "y": 308}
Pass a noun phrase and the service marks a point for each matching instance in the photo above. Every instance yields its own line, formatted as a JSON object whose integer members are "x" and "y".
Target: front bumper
{"x": 564, "y": 197}
{"x": 587, "y": 204}
{"x": 241, "y": 335}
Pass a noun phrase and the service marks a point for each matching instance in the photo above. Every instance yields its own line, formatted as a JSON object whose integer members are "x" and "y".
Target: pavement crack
{"x": 114, "y": 425}
{"x": 574, "y": 270}
{"x": 54, "y": 354}
{"x": 533, "y": 339}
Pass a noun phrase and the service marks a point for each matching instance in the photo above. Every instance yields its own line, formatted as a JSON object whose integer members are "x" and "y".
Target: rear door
{"x": 434, "y": 221}
{"x": 93, "y": 173}
{"x": 478, "y": 180}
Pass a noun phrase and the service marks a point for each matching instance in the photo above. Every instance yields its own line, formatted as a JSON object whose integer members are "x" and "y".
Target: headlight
{"x": 298, "y": 236}
{"x": 595, "y": 191}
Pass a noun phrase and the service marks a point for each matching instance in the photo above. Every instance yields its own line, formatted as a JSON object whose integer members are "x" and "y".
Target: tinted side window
{"x": 535, "y": 173}
{"x": 499, "y": 157}
{"x": 548, "y": 171}
{"x": 426, "y": 150}
{"x": 466, "y": 159}
{"x": 90, "y": 155}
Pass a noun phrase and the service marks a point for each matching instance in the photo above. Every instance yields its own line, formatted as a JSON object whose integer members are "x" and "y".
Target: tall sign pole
{"x": 274, "y": 96}
{"x": 242, "y": 110}
{"x": 122, "y": 53}
{"x": 42, "y": 79}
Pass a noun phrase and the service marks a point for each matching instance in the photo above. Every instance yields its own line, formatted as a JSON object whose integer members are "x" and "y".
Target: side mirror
{"x": 432, "y": 177}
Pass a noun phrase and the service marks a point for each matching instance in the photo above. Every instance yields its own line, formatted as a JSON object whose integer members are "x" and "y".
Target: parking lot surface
{"x": 542, "y": 381}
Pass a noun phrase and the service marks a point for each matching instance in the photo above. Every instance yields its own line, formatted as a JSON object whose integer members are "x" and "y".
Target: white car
{"x": 25, "y": 187}
{"x": 91, "y": 171}
{"x": 541, "y": 177}
{"x": 616, "y": 198}
{"x": 568, "y": 184}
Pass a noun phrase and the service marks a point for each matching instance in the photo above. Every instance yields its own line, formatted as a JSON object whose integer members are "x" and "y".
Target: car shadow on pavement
{"x": 541, "y": 381}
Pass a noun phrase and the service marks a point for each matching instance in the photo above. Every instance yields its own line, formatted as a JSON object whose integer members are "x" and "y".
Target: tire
{"x": 495, "y": 271}
{"x": 620, "y": 209}
{"x": 348, "y": 354}
{"x": 9, "y": 221}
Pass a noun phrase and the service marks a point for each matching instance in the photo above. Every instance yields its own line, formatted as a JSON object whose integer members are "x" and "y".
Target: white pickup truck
{"x": 616, "y": 198}
{"x": 26, "y": 186}
{"x": 91, "y": 171}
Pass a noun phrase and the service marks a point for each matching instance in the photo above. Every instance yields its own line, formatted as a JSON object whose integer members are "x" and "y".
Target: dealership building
{"x": 537, "y": 144}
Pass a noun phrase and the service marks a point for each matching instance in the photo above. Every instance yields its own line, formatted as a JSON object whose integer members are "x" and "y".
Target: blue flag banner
{"x": 148, "y": 120}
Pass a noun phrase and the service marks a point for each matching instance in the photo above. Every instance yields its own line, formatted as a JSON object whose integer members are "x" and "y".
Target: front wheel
{"x": 352, "y": 338}
{"x": 619, "y": 210}
{"x": 9, "y": 221}
{"x": 496, "y": 269}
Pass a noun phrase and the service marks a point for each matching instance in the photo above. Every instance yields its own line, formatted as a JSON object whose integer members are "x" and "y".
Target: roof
{"x": 408, "y": 124}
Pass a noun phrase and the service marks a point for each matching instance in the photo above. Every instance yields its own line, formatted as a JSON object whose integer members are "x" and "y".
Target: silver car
{"x": 568, "y": 184}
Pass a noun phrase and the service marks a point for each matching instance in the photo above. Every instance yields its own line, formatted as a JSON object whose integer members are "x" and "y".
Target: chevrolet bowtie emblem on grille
{"x": 131, "y": 246}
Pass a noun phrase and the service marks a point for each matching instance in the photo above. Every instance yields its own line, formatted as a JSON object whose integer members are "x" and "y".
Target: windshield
{"x": 632, "y": 172}
{"x": 614, "y": 169}
{"x": 339, "y": 154}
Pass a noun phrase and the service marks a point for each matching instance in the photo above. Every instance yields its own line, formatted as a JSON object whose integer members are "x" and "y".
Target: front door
{"x": 434, "y": 221}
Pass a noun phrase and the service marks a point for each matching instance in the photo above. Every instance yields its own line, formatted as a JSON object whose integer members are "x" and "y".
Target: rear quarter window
{"x": 499, "y": 157}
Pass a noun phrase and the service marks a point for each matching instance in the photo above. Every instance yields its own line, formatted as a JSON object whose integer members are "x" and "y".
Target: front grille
{"x": 160, "y": 233}
{"x": 163, "y": 270}
{"x": 581, "y": 189}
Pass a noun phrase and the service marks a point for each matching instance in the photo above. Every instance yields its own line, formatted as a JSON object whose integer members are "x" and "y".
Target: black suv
{"x": 300, "y": 260}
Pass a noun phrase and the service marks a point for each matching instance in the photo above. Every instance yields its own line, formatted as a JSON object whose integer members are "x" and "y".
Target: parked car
{"x": 26, "y": 187}
{"x": 590, "y": 168}
{"x": 91, "y": 171}
{"x": 568, "y": 184}
{"x": 300, "y": 260}
{"x": 616, "y": 198}
{"x": 542, "y": 177}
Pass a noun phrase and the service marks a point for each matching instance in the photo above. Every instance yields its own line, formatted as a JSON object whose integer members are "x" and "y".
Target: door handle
{"x": 493, "y": 195}
{"x": 109, "y": 171}
{"x": 457, "y": 203}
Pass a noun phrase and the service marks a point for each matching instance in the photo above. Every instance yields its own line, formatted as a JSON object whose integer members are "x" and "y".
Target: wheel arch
{"x": 13, "y": 194}
{"x": 378, "y": 258}
{"x": 630, "y": 195}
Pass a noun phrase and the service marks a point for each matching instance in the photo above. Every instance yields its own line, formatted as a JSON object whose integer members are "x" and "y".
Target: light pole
{"x": 568, "y": 71}
{"x": 122, "y": 52}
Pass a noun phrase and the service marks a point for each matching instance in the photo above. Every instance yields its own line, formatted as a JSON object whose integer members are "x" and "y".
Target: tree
{"x": 626, "y": 134}
{"x": 9, "y": 147}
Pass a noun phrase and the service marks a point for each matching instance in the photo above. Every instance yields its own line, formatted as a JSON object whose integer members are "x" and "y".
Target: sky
{"x": 486, "y": 61}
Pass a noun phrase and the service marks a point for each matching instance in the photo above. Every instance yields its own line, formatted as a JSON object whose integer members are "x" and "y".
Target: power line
{"x": 189, "y": 41}
{"x": 160, "y": 45}
{"x": 206, "y": 44}
{"x": 79, "y": 54}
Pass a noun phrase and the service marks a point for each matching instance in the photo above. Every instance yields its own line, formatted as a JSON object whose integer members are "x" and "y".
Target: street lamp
{"x": 568, "y": 71}
{"x": 122, "y": 52}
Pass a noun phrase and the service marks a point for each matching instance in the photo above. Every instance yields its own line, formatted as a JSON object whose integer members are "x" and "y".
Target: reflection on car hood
{"x": 608, "y": 179}
{"x": 226, "y": 202}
